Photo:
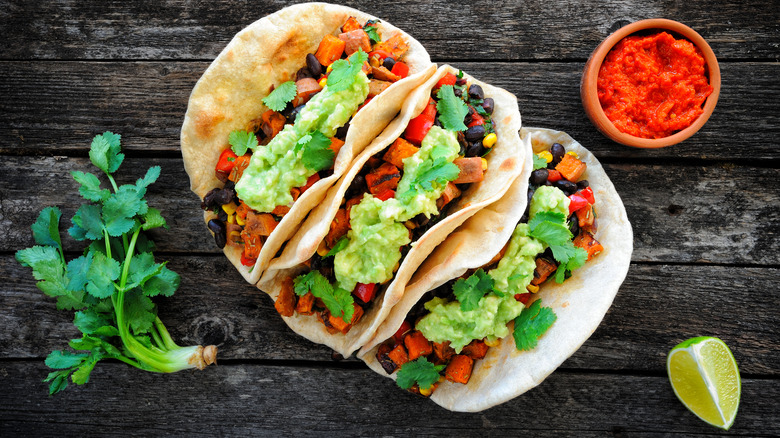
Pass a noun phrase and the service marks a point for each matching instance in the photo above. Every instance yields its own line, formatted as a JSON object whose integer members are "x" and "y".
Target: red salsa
{"x": 653, "y": 86}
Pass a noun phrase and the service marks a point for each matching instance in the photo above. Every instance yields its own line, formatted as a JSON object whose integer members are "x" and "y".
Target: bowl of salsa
{"x": 651, "y": 84}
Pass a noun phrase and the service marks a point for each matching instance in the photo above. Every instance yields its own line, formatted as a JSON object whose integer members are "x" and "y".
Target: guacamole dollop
{"x": 277, "y": 168}
{"x": 448, "y": 322}
{"x": 378, "y": 232}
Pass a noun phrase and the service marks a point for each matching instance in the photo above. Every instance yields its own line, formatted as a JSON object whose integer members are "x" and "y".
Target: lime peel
{"x": 705, "y": 378}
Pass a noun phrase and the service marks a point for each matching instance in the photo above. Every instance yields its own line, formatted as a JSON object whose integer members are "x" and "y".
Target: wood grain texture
{"x": 259, "y": 400}
{"x": 656, "y": 308}
{"x": 56, "y": 107}
{"x": 535, "y": 29}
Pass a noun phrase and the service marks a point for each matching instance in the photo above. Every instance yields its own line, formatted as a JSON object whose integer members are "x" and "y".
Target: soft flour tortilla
{"x": 580, "y": 302}
{"x": 265, "y": 54}
{"x": 505, "y": 163}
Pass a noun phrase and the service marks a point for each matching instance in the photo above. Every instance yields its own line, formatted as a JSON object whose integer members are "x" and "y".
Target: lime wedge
{"x": 705, "y": 378}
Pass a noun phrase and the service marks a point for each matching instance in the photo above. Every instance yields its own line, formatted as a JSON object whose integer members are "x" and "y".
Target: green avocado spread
{"x": 378, "y": 232}
{"x": 278, "y": 167}
{"x": 448, "y": 322}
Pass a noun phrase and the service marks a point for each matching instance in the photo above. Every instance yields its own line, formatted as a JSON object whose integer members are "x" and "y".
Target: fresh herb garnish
{"x": 372, "y": 31}
{"x": 111, "y": 285}
{"x": 539, "y": 162}
{"x": 452, "y": 110}
{"x": 551, "y": 229}
{"x": 345, "y": 71}
{"x": 338, "y": 301}
{"x": 317, "y": 154}
{"x": 341, "y": 244}
{"x": 419, "y": 371}
{"x": 241, "y": 141}
{"x": 278, "y": 99}
{"x": 469, "y": 291}
{"x": 531, "y": 324}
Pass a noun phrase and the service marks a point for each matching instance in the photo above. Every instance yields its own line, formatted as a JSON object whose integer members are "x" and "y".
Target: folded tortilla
{"x": 580, "y": 302}
{"x": 505, "y": 163}
{"x": 267, "y": 53}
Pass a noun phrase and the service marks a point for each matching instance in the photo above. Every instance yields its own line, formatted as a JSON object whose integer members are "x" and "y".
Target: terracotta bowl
{"x": 589, "y": 93}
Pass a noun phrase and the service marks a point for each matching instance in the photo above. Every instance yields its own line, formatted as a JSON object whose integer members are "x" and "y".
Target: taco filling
{"x": 400, "y": 193}
{"x": 455, "y": 324}
{"x": 280, "y": 155}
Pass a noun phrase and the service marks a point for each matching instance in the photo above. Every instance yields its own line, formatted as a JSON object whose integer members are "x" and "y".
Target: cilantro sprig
{"x": 317, "y": 154}
{"x": 371, "y": 29}
{"x": 419, "y": 371}
{"x": 531, "y": 324}
{"x": 539, "y": 162}
{"x": 345, "y": 71}
{"x": 241, "y": 141}
{"x": 278, "y": 99}
{"x": 338, "y": 301}
{"x": 470, "y": 290}
{"x": 111, "y": 285}
{"x": 551, "y": 229}
{"x": 452, "y": 110}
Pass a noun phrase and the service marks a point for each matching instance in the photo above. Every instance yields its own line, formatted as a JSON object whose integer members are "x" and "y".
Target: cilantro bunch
{"x": 111, "y": 285}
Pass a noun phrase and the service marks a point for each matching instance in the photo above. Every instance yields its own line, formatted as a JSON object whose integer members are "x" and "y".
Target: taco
{"x": 453, "y": 150}
{"x": 471, "y": 333}
{"x": 279, "y": 115}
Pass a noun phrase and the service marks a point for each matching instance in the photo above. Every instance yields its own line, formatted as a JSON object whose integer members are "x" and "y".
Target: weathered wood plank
{"x": 475, "y": 30}
{"x": 56, "y": 107}
{"x": 254, "y": 400}
{"x": 657, "y": 307}
{"x": 718, "y": 214}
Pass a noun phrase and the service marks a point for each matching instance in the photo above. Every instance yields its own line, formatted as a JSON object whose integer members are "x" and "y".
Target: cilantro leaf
{"x": 551, "y": 229}
{"x": 531, "y": 324}
{"x": 551, "y": 233}
{"x": 101, "y": 275}
{"x": 571, "y": 258}
{"x": 58, "y": 379}
{"x": 90, "y": 186}
{"x": 373, "y": 33}
{"x": 341, "y": 244}
{"x": 81, "y": 375}
{"x": 60, "y": 360}
{"x": 151, "y": 176}
{"x": 241, "y": 141}
{"x": 47, "y": 268}
{"x": 452, "y": 110}
{"x": 153, "y": 219}
{"x": 104, "y": 152}
{"x": 469, "y": 291}
{"x": 91, "y": 322}
{"x": 87, "y": 223}
{"x": 439, "y": 172}
{"x": 140, "y": 312}
{"x": 419, "y": 371}
{"x": 46, "y": 228}
{"x": 121, "y": 207}
{"x": 165, "y": 283}
{"x": 338, "y": 301}
{"x": 277, "y": 100}
{"x": 317, "y": 154}
{"x": 345, "y": 71}
{"x": 539, "y": 162}
{"x": 78, "y": 269}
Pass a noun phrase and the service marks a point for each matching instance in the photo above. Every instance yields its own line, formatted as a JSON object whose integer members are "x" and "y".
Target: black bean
{"x": 475, "y": 149}
{"x": 356, "y": 187}
{"x": 230, "y": 185}
{"x": 475, "y": 133}
{"x": 539, "y": 176}
{"x": 488, "y": 105}
{"x": 294, "y": 113}
{"x": 220, "y": 232}
{"x": 314, "y": 65}
{"x": 583, "y": 184}
{"x": 475, "y": 92}
{"x": 568, "y": 187}
{"x": 388, "y": 63}
{"x": 457, "y": 91}
{"x": 303, "y": 73}
{"x": 461, "y": 81}
{"x": 341, "y": 133}
{"x": 208, "y": 200}
{"x": 437, "y": 122}
{"x": 574, "y": 225}
{"x": 557, "y": 150}
{"x": 222, "y": 215}
{"x": 224, "y": 196}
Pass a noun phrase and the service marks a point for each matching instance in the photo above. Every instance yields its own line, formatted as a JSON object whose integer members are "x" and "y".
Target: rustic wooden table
{"x": 705, "y": 216}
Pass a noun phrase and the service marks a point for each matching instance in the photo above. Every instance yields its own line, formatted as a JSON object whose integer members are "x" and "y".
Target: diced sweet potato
{"x": 470, "y": 170}
{"x": 280, "y": 210}
{"x": 476, "y": 349}
{"x": 382, "y": 357}
{"x": 383, "y": 74}
{"x": 398, "y": 355}
{"x": 338, "y": 228}
{"x": 253, "y": 243}
{"x": 295, "y": 192}
{"x": 351, "y": 24}
{"x": 354, "y": 40}
{"x": 339, "y": 324}
{"x": 375, "y": 87}
{"x": 273, "y": 122}
{"x": 352, "y": 202}
{"x": 586, "y": 217}
{"x": 305, "y": 304}
{"x": 443, "y": 351}
{"x": 450, "y": 192}
{"x": 285, "y": 302}
{"x": 336, "y": 144}
{"x": 242, "y": 163}
{"x": 234, "y": 234}
{"x": 395, "y": 46}
{"x": 417, "y": 345}
{"x": 307, "y": 87}
{"x": 459, "y": 369}
{"x": 544, "y": 268}
{"x": 586, "y": 241}
{"x": 330, "y": 49}
{"x": 571, "y": 168}
{"x": 324, "y": 318}
{"x": 260, "y": 224}
{"x": 398, "y": 151}
{"x": 383, "y": 178}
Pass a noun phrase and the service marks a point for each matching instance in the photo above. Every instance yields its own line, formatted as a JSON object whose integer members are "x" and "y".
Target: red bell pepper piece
{"x": 365, "y": 292}
{"x": 417, "y": 129}
{"x": 385, "y": 195}
{"x": 399, "y": 334}
{"x": 523, "y": 298}
{"x": 227, "y": 160}
{"x": 448, "y": 79}
{"x": 476, "y": 119}
{"x": 553, "y": 175}
{"x": 310, "y": 182}
{"x": 381, "y": 54}
{"x": 246, "y": 261}
{"x": 587, "y": 193}
{"x": 577, "y": 202}
{"x": 400, "y": 69}
{"x": 430, "y": 109}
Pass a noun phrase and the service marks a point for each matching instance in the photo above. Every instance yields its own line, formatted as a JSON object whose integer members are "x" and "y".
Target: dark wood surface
{"x": 705, "y": 215}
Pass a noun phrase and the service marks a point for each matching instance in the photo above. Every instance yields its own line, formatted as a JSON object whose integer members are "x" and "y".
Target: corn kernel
{"x": 323, "y": 81}
{"x": 240, "y": 221}
{"x": 493, "y": 343}
{"x": 234, "y": 236}
{"x": 484, "y": 164}
{"x": 532, "y": 288}
{"x": 329, "y": 69}
{"x": 322, "y": 250}
{"x": 410, "y": 225}
{"x": 490, "y": 140}
{"x": 573, "y": 154}
{"x": 230, "y": 208}
{"x": 546, "y": 155}
{"x": 232, "y": 219}
{"x": 426, "y": 392}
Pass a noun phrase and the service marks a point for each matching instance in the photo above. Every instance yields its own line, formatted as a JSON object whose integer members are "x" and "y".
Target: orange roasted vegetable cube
{"x": 241, "y": 164}
{"x": 459, "y": 369}
{"x": 329, "y": 50}
{"x": 351, "y": 24}
{"x": 417, "y": 345}
{"x": 305, "y": 304}
{"x": 398, "y": 355}
{"x": 375, "y": 87}
{"x": 443, "y": 351}
{"x": 571, "y": 168}
{"x": 470, "y": 170}
{"x": 383, "y": 178}
{"x": 339, "y": 324}
{"x": 335, "y": 145}
{"x": 398, "y": 151}
{"x": 586, "y": 217}
{"x": 586, "y": 241}
{"x": 476, "y": 349}
{"x": 544, "y": 268}
{"x": 285, "y": 302}
{"x": 260, "y": 224}
{"x": 338, "y": 228}
{"x": 354, "y": 40}
{"x": 395, "y": 46}
{"x": 450, "y": 192}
